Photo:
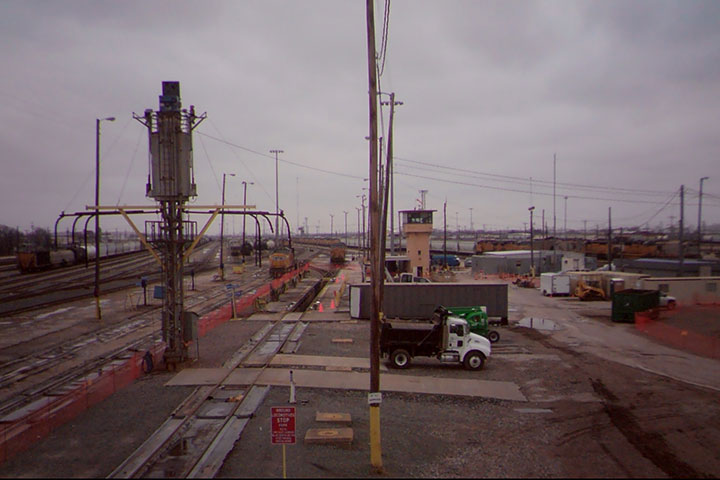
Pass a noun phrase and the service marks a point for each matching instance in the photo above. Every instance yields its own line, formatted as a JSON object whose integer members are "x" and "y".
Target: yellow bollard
{"x": 375, "y": 451}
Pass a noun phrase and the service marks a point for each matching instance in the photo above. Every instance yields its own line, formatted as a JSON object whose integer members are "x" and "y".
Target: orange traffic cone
{"x": 320, "y": 307}
{"x": 332, "y": 304}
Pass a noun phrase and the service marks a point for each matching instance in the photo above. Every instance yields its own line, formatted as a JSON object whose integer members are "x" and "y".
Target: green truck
{"x": 477, "y": 319}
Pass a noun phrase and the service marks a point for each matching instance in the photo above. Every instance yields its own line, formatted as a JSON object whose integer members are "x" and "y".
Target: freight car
{"x": 33, "y": 259}
{"x": 282, "y": 260}
{"x": 237, "y": 248}
{"x": 337, "y": 254}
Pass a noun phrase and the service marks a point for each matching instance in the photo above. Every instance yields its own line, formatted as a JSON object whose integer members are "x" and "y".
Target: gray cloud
{"x": 625, "y": 93}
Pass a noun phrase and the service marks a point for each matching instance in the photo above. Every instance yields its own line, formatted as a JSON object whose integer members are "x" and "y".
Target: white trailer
{"x": 552, "y": 284}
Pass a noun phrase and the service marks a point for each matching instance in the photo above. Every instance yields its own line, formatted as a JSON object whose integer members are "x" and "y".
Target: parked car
{"x": 667, "y": 301}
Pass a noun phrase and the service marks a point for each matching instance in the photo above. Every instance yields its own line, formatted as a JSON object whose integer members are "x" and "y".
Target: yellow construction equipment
{"x": 586, "y": 292}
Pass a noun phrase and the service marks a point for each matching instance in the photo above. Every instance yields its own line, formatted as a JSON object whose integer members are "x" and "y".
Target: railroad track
{"x": 30, "y": 372}
{"x": 195, "y": 440}
{"x": 136, "y": 329}
{"x": 22, "y": 294}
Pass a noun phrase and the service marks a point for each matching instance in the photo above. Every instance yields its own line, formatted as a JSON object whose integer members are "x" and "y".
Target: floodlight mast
{"x": 171, "y": 182}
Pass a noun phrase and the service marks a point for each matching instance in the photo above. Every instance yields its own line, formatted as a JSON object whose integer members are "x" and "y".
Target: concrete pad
{"x": 197, "y": 376}
{"x": 245, "y": 376}
{"x": 292, "y": 316}
{"x": 388, "y": 383}
{"x": 338, "y": 369}
{"x": 333, "y": 417}
{"x": 343, "y": 340}
{"x": 282, "y": 359}
{"x": 325, "y": 436}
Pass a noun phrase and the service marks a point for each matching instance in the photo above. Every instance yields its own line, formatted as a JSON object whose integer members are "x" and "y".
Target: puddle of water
{"x": 539, "y": 323}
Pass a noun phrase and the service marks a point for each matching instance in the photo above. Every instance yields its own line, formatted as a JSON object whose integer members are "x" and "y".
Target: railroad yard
{"x": 566, "y": 392}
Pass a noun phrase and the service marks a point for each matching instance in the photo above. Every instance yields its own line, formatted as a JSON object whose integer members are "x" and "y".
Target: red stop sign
{"x": 282, "y": 425}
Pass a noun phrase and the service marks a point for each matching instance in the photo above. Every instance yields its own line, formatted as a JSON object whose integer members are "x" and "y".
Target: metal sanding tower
{"x": 171, "y": 182}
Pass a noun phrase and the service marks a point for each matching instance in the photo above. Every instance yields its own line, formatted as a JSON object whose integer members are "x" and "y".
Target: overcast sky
{"x": 626, "y": 94}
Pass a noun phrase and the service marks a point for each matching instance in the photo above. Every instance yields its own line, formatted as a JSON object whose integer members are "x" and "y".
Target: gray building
{"x": 660, "y": 267}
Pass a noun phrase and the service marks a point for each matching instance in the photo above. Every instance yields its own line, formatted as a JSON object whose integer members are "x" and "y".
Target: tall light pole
{"x": 457, "y": 232}
{"x": 362, "y": 205}
{"x": 532, "y": 249}
{"x": 222, "y": 228}
{"x": 277, "y": 208}
{"x": 565, "y": 225}
{"x": 346, "y": 237}
{"x": 389, "y": 168}
{"x": 98, "y": 311}
{"x": 700, "y": 218}
{"x": 359, "y": 238}
{"x": 245, "y": 184}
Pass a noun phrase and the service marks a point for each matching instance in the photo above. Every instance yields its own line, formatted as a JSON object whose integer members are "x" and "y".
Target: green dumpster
{"x": 477, "y": 319}
{"x": 626, "y": 302}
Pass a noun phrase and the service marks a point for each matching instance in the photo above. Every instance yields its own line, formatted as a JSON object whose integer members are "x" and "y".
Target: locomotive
{"x": 337, "y": 253}
{"x": 282, "y": 260}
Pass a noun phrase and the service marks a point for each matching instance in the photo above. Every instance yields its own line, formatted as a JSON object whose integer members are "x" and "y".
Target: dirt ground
{"x": 586, "y": 416}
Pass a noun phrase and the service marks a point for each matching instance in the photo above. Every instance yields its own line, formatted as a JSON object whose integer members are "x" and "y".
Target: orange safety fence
{"x": 245, "y": 304}
{"x": 22, "y": 428}
{"x": 647, "y": 322}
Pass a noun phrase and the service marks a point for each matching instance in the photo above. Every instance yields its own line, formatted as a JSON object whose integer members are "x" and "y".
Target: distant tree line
{"x": 12, "y": 238}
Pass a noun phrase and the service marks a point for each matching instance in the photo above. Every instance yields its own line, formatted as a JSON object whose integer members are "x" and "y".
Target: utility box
{"x": 552, "y": 284}
{"x": 190, "y": 326}
{"x": 626, "y": 302}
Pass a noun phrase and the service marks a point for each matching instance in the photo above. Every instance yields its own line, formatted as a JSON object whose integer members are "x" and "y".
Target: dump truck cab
{"x": 449, "y": 339}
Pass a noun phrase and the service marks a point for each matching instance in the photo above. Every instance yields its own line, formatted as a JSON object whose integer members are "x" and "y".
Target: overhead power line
{"x": 283, "y": 160}
{"x": 526, "y": 181}
{"x": 505, "y": 189}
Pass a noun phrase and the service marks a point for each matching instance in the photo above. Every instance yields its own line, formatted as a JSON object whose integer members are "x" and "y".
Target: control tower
{"x": 417, "y": 227}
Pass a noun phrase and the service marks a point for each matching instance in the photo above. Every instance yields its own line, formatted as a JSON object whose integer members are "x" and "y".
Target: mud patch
{"x": 650, "y": 444}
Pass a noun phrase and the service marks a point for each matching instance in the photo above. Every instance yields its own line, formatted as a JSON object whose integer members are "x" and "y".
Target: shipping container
{"x": 419, "y": 300}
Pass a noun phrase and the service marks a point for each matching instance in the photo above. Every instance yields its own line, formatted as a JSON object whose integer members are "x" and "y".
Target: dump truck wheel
{"x": 400, "y": 358}
{"x": 493, "y": 336}
{"x": 474, "y": 361}
{"x": 671, "y": 305}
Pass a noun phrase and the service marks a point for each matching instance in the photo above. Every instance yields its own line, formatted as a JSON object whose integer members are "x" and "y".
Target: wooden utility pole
{"x": 376, "y": 256}
{"x": 609, "y": 253}
{"x": 699, "y": 227}
{"x": 681, "y": 252}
